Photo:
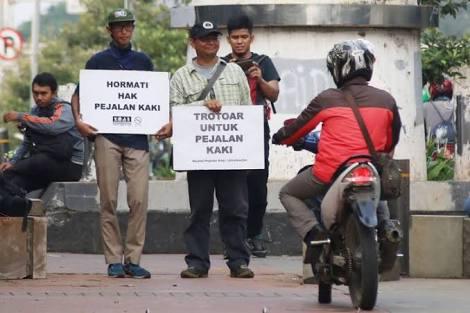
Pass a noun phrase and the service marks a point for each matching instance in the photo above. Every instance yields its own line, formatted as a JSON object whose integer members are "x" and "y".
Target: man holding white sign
{"x": 211, "y": 82}
{"x": 116, "y": 150}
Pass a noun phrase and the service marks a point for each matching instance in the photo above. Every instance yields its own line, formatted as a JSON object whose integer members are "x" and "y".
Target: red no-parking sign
{"x": 11, "y": 43}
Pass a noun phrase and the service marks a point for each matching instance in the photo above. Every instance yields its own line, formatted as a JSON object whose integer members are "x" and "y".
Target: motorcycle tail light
{"x": 361, "y": 176}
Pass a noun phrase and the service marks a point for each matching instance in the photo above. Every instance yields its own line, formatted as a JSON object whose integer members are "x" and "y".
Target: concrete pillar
{"x": 462, "y": 155}
{"x": 297, "y": 35}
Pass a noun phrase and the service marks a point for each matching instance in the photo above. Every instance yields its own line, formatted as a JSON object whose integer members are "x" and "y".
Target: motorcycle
{"x": 351, "y": 254}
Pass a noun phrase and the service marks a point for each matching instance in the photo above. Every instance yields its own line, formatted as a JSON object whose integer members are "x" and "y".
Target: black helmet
{"x": 350, "y": 59}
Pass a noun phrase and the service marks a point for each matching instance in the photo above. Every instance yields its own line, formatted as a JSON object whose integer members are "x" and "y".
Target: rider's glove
{"x": 276, "y": 140}
{"x": 299, "y": 144}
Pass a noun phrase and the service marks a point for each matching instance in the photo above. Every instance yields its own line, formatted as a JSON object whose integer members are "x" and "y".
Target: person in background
{"x": 439, "y": 117}
{"x": 263, "y": 80}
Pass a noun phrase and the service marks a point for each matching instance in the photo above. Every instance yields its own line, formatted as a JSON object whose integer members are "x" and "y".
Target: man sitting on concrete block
{"x": 52, "y": 149}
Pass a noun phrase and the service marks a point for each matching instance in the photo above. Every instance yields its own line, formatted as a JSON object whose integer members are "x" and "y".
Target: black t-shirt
{"x": 115, "y": 58}
{"x": 268, "y": 70}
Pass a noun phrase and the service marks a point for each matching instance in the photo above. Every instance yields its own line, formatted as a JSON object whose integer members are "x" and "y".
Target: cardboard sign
{"x": 230, "y": 139}
{"x": 124, "y": 102}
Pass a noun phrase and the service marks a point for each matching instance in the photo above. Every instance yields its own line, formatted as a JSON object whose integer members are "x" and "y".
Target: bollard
{"x": 4, "y": 143}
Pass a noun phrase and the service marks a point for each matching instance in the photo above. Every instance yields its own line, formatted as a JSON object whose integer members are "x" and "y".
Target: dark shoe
{"x": 242, "y": 271}
{"x": 116, "y": 270}
{"x": 193, "y": 272}
{"x": 256, "y": 247}
{"x": 312, "y": 254}
{"x": 225, "y": 254}
{"x": 135, "y": 271}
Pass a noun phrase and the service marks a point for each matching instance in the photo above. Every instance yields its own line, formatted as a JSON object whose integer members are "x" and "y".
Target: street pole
{"x": 126, "y": 4}
{"x": 35, "y": 23}
{"x": 1, "y": 13}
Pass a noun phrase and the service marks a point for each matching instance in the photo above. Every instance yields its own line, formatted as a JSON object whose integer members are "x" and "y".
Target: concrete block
{"x": 23, "y": 254}
{"x": 38, "y": 208}
{"x": 436, "y": 246}
{"x": 466, "y": 247}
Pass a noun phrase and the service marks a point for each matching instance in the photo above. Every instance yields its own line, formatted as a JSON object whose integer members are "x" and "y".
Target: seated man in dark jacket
{"x": 52, "y": 149}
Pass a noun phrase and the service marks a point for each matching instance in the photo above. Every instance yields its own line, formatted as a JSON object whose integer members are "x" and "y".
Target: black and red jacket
{"x": 341, "y": 136}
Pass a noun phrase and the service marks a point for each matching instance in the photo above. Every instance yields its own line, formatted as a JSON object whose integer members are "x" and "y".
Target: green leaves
{"x": 446, "y": 7}
{"x": 64, "y": 53}
{"x": 440, "y": 166}
{"x": 443, "y": 56}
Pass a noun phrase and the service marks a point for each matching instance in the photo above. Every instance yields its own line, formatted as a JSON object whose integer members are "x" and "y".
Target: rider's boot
{"x": 317, "y": 233}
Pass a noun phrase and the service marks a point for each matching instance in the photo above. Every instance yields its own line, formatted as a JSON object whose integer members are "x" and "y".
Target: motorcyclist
{"x": 351, "y": 65}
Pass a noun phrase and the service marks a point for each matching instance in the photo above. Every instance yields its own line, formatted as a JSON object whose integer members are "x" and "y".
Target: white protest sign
{"x": 230, "y": 139}
{"x": 124, "y": 102}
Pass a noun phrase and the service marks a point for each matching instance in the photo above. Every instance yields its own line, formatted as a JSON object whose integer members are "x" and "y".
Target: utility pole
{"x": 1, "y": 14}
{"x": 35, "y": 24}
{"x": 129, "y": 4}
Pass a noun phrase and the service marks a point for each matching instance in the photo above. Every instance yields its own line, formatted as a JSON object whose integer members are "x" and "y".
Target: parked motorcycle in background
{"x": 354, "y": 253}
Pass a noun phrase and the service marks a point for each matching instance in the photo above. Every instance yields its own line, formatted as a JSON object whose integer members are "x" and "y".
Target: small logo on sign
{"x": 122, "y": 120}
{"x": 137, "y": 121}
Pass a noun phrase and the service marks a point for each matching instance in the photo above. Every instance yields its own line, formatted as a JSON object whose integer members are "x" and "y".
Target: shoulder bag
{"x": 388, "y": 168}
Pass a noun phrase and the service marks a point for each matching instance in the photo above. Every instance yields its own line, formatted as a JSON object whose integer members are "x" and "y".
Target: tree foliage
{"x": 443, "y": 56}
{"x": 65, "y": 54}
{"x": 51, "y": 23}
{"x": 446, "y": 7}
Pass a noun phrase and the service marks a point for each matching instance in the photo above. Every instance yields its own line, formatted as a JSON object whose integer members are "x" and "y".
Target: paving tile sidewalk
{"x": 76, "y": 283}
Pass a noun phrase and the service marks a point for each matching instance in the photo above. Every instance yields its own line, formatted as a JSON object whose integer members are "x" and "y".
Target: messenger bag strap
{"x": 211, "y": 81}
{"x": 440, "y": 114}
{"x": 352, "y": 103}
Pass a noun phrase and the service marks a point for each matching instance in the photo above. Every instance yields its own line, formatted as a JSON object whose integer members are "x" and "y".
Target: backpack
{"x": 13, "y": 202}
{"x": 444, "y": 131}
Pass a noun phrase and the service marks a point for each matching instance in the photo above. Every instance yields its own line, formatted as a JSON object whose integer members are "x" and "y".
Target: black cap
{"x": 203, "y": 29}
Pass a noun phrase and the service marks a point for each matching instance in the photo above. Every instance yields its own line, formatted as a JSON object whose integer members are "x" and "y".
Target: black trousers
{"x": 231, "y": 192}
{"x": 257, "y": 181}
{"x": 39, "y": 170}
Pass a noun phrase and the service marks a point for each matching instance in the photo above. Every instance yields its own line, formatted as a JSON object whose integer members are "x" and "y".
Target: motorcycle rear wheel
{"x": 362, "y": 244}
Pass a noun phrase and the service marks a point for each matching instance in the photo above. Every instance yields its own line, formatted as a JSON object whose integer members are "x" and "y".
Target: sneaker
{"x": 243, "y": 271}
{"x": 193, "y": 272}
{"x": 312, "y": 254}
{"x": 116, "y": 270}
{"x": 135, "y": 271}
{"x": 256, "y": 246}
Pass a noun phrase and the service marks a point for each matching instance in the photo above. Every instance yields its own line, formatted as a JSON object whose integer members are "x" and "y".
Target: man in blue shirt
{"x": 116, "y": 151}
